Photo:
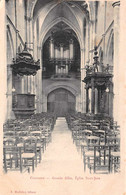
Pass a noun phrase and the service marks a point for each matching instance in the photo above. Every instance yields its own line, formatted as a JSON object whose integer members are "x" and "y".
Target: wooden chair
{"x": 38, "y": 136}
{"x": 92, "y": 140}
{"x": 98, "y": 159}
{"x": 12, "y": 158}
{"x": 88, "y": 158}
{"x": 29, "y": 156}
{"x": 115, "y": 161}
{"x": 104, "y": 163}
{"x": 37, "y": 141}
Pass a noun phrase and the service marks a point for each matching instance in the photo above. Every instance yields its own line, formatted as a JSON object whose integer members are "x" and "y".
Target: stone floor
{"x": 61, "y": 157}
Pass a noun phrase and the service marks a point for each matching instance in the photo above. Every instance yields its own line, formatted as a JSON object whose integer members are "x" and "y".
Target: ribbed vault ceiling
{"x": 60, "y": 15}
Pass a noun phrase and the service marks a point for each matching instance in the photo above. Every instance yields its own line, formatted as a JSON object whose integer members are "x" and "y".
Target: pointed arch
{"x": 42, "y": 34}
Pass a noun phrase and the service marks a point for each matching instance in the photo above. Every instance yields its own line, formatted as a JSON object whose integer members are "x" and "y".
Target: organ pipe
{"x": 66, "y": 54}
{"x": 52, "y": 48}
{"x": 61, "y": 51}
{"x": 57, "y": 53}
{"x": 71, "y": 48}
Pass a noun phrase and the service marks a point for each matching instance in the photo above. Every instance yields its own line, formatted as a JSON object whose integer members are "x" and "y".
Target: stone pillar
{"x": 104, "y": 41}
{"x": 107, "y": 102}
{"x": 87, "y": 100}
{"x": 92, "y": 97}
{"x": 83, "y": 91}
{"x": 30, "y": 45}
{"x": 10, "y": 114}
{"x": 87, "y": 44}
{"x": 34, "y": 27}
{"x": 38, "y": 86}
{"x": 96, "y": 101}
{"x": 99, "y": 100}
{"x": 92, "y": 100}
{"x": 116, "y": 6}
{"x": 22, "y": 85}
{"x": 3, "y": 69}
{"x": 111, "y": 100}
{"x": 92, "y": 40}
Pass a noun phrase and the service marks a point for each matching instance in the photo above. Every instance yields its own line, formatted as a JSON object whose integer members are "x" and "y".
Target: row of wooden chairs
{"x": 24, "y": 142}
{"x": 99, "y": 141}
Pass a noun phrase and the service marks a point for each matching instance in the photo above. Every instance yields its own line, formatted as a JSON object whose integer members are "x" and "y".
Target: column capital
{"x": 116, "y": 3}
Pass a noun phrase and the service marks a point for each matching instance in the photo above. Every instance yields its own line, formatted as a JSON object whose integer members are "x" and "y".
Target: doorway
{"x": 61, "y": 101}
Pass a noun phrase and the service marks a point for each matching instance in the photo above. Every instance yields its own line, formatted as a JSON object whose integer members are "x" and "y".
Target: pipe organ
{"x": 61, "y": 55}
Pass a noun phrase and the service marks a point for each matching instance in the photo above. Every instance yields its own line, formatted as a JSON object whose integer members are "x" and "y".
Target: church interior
{"x": 62, "y": 83}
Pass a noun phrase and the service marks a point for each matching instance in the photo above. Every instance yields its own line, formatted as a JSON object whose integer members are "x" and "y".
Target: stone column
{"x": 111, "y": 100}
{"x": 10, "y": 114}
{"x": 96, "y": 101}
{"x": 91, "y": 40}
{"x": 107, "y": 101}
{"x": 87, "y": 44}
{"x": 30, "y": 45}
{"x": 104, "y": 40}
{"x": 83, "y": 91}
{"x": 38, "y": 86}
{"x": 99, "y": 100}
{"x": 22, "y": 85}
{"x": 87, "y": 100}
{"x": 92, "y": 97}
{"x": 116, "y": 6}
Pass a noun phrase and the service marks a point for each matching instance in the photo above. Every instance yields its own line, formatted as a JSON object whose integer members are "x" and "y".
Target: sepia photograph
{"x": 62, "y": 119}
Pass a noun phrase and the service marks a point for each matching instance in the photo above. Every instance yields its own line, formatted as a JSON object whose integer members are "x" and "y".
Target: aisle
{"x": 61, "y": 157}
